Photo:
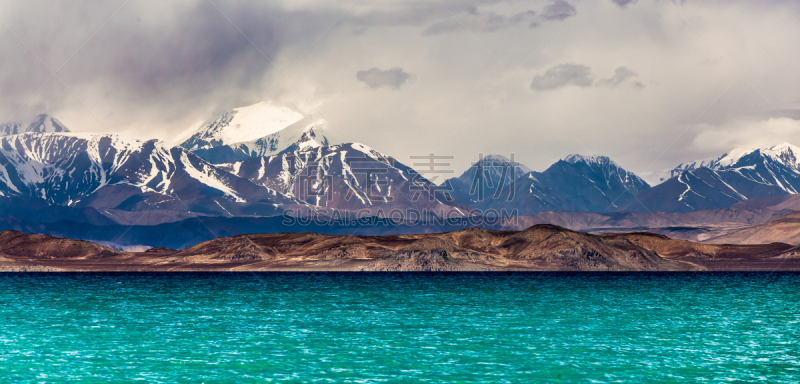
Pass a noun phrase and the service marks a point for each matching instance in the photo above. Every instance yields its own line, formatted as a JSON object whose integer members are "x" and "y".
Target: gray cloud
{"x": 563, "y": 75}
{"x": 567, "y": 74}
{"x": 621, "y": 75}
{"x": 624, "y": 3}
{"x": 558, "y": 10}
{"x": 480, "y": 22}
{"x": 377, "y": 78}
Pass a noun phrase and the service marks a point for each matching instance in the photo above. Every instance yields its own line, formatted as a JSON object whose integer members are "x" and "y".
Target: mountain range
{"x": 736, "y": 176}
{"x": 576, "y": 183}
{"x": 265, "y": 161}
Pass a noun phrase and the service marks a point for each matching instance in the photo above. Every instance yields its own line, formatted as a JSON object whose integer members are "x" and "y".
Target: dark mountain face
{"x": 348, "y": 177}
{"x": 591, "y": 184}
{"x": 755, "y": 174}
{"x": 485, "y": 179}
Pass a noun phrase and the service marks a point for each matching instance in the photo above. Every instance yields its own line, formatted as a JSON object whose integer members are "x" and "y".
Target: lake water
{"x": 329, "y": 327}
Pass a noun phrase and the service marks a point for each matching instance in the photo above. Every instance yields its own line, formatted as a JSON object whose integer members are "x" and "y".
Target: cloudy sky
{"x": 649, "y": 83}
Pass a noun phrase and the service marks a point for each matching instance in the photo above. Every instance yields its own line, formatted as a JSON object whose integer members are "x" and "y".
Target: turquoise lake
{"x": 349, "y": 327}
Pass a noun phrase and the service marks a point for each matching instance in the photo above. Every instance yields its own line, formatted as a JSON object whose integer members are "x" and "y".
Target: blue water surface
{"x": 371, "y": 327}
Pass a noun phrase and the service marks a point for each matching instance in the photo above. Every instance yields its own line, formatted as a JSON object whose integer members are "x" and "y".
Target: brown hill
{"x": 785, "y": 229}
{"x": 18, "y": 244}
{"x": 538, "y": 248}
{"x": 694, "y": 226}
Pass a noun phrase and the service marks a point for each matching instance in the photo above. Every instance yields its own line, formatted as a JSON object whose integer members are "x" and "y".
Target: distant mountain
{"x": 258, "y": 130}
{"x": 42, "y": 124}
{"x": 658, "y": 177}
{"x": 725, "y": 161}
{"x": 484, "y": 178}
{"x": 739, "y": 175}
{"x": 576, "y": 183}
{"x": 349, "y": 176}
{"x": 109, "y": 172}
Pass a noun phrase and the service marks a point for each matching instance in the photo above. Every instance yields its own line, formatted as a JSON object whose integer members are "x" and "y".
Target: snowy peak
{"x": 605, "y": 169}
{"x": 741, "y": 174}
{"x": 46, "y": 124}
{"x": 594, "y": 159}
{"x": 308, "y": 139}
{"x": 501, "y": 161}
{"x": 784, "y": 154}
{"x": 258, "y": 130}
{"x": 42, "y": 124}
{"x": 242, "y": 125}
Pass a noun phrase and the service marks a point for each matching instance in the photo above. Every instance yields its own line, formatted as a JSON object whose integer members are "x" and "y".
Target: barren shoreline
{"x": 538, "y": 248}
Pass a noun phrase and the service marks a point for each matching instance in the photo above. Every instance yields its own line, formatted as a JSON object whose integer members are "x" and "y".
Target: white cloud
{"x": 747, "y": 134}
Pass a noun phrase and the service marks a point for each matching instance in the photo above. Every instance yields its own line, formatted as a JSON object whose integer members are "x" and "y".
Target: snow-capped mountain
{"x": 657, "y": 177}
{"x": 107, "y": 171}
{"x": 46, "y": 124}
{"x": 576, "y": 183}
{"x": 784, "y": 153}
{"x": 258, "y": 130}
{"x": 484, "y": 178}
{"x": 8, "y": 129}
{"x": 42, "y": 124}
{"x": 718, "y": 183}
{"x": 349, "y": 176}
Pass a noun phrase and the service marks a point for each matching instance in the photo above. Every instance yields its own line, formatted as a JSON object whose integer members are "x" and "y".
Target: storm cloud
{"x": 173, "y": 56}
{"x": 377, "y": 78}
